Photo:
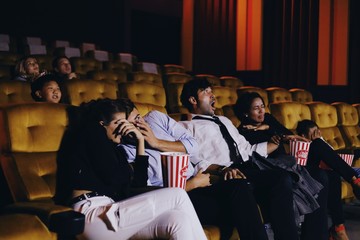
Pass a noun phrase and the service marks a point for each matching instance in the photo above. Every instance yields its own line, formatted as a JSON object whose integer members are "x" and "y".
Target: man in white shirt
{"x": 272, "y": 188}
{"x": 228, "y": 204}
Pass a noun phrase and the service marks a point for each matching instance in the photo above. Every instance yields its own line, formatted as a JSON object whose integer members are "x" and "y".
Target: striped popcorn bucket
{"x": 174, "y": 167}
{"x": 348, "y": 158}
{"x": 300, "y": 151}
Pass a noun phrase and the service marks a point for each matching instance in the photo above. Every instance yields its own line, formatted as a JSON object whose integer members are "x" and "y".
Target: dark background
{"x": 151, "y": 30}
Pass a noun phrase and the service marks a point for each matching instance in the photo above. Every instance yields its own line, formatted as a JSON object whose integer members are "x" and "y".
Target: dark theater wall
{"x": 152, "y": 31}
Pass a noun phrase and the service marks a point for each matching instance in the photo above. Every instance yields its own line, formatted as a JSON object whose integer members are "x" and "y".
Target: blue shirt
{"x": 165, "y": 128}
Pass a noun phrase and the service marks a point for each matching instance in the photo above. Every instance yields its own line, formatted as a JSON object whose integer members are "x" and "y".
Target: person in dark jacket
{"x": 95, "y": 178}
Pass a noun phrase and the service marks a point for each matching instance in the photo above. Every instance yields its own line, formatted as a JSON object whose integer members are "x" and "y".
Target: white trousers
{"x": 165, "y": 213}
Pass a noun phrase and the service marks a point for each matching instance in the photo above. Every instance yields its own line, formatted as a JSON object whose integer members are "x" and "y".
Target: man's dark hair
{"x": 304, "y": 126}
{"x": 56, "y": 60}
{"x": 39, "y": 83}
{"x": 191, "y": 88}
{"x": 128, "y": 105}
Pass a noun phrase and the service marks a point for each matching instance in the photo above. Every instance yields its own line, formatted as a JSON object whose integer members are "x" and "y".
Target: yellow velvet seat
{"x": 173, "y": 68}
{"x": 30, "y": 137}
{"x": 278, "y": 94}
{"x": 325, "y": 116}
{"x": 357, "y": 106}
{"x": 224, "y": 96}
{"x": 9, "y": 58}
{"x": 231, "y": 81}
{"x": 117, "y": 65}
{"x": 145, "y": 77}
{"x": 80, "y": 91}
{"x": 173, "y": 103}
{"x": 290, "y": 113}
{"x": 84, "y": 65}
{"x": 214, "y": 80}
{"x": 108, "y": 75}
{"x": 176, "y": 78}
{"x": 348, "y": 121}
{"x": 301, "y": 95}
{"x": 12, "y": 91}
{"x": 146, "y": 96}
{"x": 5, "y": 72}
{"x": 23, "y": 226}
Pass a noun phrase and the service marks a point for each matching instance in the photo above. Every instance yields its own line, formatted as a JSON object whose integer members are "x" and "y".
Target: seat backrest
{"x": 80, "y": 91}
{"x": 348, "y": 122}
{"x": 176, "y": 77}
{"x": 260, "y": 91}
{"x": 325, "y": 116}
{"x": 214, "y": 80}
{"x": 357, "y": 106}
{"x": 117, "y": 65}
{"x": 152, "y": 96}
{"x": 9, "y": 58}
{"x": 228, "y": 111}
{"x": 278, "y": 94}
{"x": 29, "y": 139}
{"x": 224, "y": 96}
{"x": 301, "y": 95}
{"x": 232, "y": 82}
{"x": 84, "y": 65}
{"x": 35, "y": 49}
{"x": 173, "y": 68}
{"x": 12, "y": 91}
{"x": 290, "y": 113}
{"x": 67, "y": 51}
{"x": 44, "y": 61}
{"x": 5, "y": 72}
{"x": 127, "y": 58}
{"x": 148, "y": 67}
{"x": 173, "y": 103}
{"x": 107, "y": 75}
{"x": 146, "y": 77}
{"x": 100, "y": 55}
{"x": 84, "y": 47}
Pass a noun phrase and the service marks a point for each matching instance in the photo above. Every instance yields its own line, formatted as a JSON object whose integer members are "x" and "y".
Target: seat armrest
{"x": 68, "y": 223}
{"x": 60, "y": 219}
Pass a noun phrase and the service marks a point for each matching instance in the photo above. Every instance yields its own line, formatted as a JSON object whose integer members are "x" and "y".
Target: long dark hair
{"x": 243, "y": 105}
{"x": 101, "y": 110}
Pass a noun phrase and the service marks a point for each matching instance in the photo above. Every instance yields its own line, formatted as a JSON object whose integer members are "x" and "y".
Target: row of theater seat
{"x": 30, "y": 137}
{"x": 26, "y": 141}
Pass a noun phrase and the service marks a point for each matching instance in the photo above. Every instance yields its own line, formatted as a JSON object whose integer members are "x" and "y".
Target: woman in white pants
{"x": 94, "y": 177}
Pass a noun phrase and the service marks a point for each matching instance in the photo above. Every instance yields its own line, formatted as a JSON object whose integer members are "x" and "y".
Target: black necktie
{"x": 235, "y": 155}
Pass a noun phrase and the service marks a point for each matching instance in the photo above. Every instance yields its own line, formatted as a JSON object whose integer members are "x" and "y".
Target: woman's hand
{"x": 276, "y": 139}
{"x": 129, "y": 130}
{"x": 256, "y": 128}
{"x": 295, "y": 137}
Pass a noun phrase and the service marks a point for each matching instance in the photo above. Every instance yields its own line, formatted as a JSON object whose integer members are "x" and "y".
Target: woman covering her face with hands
{"x": 95, "y": 178}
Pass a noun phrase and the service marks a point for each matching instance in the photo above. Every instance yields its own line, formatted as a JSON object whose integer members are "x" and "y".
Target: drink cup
{"x": 300, "y": 151}
{"x": 174, "y": 168}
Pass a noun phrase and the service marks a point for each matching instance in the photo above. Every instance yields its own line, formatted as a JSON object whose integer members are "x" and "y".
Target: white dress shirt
{"x": 213, "y": 148}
